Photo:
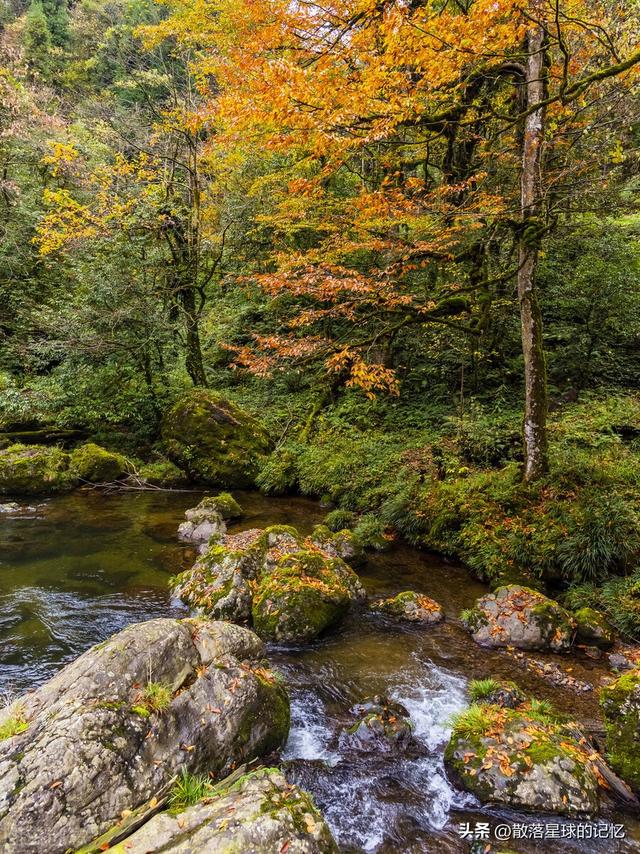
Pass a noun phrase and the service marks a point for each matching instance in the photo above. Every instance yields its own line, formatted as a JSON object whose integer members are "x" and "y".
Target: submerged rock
{"x": 289, "y": 586}
{"x": 260, "y": 813}
{"x": 592, "y": 629}
{"x": 521, "y": 617}
{"x": 524, "y": 760}
{"x": 97, "y": 465}
{"x": 410, "y": 606}
{"x": 214, "y": 440}
{"x": 383, "y": 727}
{"x": 620, "y": 703}
{"x": 35, "y": 470}
{"x": 115, "y": 726}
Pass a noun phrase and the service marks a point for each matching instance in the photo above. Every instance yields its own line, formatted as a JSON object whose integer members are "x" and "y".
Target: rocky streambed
{"x": 76, "y": 569}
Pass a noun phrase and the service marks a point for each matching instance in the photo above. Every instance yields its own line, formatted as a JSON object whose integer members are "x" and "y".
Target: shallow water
{"x": 76, "y": 569}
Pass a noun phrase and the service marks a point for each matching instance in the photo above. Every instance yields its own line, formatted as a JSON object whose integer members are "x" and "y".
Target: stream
{"x": 76, "y": 569}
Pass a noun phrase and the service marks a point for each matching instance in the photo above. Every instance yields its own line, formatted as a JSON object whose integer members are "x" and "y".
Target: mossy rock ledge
{"x": 521, "y": 617}
{"x": 214, "y": 440}
{"x": 260, "y": 813}
{"x": 289, "y": 587}
{"x": 101, "y": 738}
{"x": 620, "y": 703}
{"x": 35, "y": 470}
{"x": 411, "y": 607}
{"x": 522, "y": 760}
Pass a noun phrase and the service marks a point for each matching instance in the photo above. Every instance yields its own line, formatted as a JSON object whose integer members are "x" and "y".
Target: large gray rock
{"x": 260, "y": 814}
{"x": 289, "y": 587}
{"x": 202, "y": 524}
{"x": 115, "y": 726}
{"x": 518, "y": 759}
{"x": 521, "y": 617}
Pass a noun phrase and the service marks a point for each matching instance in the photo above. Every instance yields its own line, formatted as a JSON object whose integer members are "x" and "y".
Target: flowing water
{"x": 76, "y": 569}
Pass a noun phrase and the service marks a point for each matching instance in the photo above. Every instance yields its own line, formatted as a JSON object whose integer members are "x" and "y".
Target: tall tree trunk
{"x": 193, "y": 355}
{"x": 535, "y": 376}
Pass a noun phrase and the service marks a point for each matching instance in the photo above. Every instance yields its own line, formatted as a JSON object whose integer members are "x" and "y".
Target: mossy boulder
{"x": 342, "y": 543}
{"x": 112, "y": 729}
{"x": 202, "y": 524}
{"x": 289, "y": 587}
{"x": 226, "y": 505}
{"x": 519, "y": 616}
{"x": 35, "y": 470}
{"x": 593, "y": 629}
{"x": 214, "y": 440}
{"x": 620, "y": 703}
{"x": 259, "y": 813}
{"x": 94, "y": 464}
{"x": 163, "y": 473}
{"x": 410, "y": 606}
{"x": 301, "y": 596}
{"x": 523, "y": 760}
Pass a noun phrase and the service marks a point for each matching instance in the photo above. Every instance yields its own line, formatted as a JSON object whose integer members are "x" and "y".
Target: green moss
{"x": 593, "y": 629}
{"x": 620, "y": 703}
{"x": 339, "y": 520}
{"x": 214, "y": 440}
{"x": 142, "y": 711}
{"x": 226, "y": 505}
{"x": 34, "y": 470}
{"x": 163, "y": 473}
{"x": 96, "y": 465}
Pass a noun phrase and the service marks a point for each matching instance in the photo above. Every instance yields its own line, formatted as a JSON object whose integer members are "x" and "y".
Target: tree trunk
{"x": 535, "y": 410}
{"x": 193, "y": 355}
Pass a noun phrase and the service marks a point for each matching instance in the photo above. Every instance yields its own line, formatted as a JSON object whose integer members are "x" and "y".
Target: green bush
{"x": 617, "y": 598}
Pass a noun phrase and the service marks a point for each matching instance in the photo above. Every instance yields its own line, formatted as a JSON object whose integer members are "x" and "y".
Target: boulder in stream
{"x": 214, "y": 440}
{"x": 35, "y": 470}
{"x": 411, "y": 607}
{"x": 620, "y": 703}
{"x": 203, "y": 523}
{"x": 524, "y": 759}
{"x": 113, "y": 728}
{"x": 383, "y": 726}
{"x": 290, "y": 587}
{"x": 520, "y": 617}
{"x": 259, "y": 813}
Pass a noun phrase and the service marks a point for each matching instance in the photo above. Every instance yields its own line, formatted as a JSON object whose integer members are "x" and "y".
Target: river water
{"x": 76, "y": 569}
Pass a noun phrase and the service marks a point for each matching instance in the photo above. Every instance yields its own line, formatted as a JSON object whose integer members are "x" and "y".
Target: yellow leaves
{"x": 66, "y": 220}
{"x": 60, "y": 156}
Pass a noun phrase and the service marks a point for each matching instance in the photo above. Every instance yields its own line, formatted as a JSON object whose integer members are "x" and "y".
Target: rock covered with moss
{"x": 620, "y": 703}
{"x": 115, "y": 726}
{"x": 94, "y": 464}
{"x": 524, "y": 759}
{"x": 289, "y": 587}
{"x": 214, "y": 440}
{"x": 163, "y": 473}
{"x": 519, "y": 616}
{"x": 593, "y": 629}
{"x": 410, "y": 606}
{"x": 35, "y": 470}
{"x": 260, "y": 813}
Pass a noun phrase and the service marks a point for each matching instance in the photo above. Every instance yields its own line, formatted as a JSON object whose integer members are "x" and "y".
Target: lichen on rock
{"x": 520, "y": 617}
{"x": 214, "y": 440}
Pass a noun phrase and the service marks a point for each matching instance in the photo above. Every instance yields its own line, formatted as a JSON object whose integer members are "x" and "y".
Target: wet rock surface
{"x": 382, "y": 726}
{"x": 411, "y": 607}
{"x": 621, "y": 706}
{"x": 289, "y": 587}
{"x": 117, "y": 724}
{"x": 520, "y": 617}
{"x": 260, "y": 813}
{"x": 522, "y": 759}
